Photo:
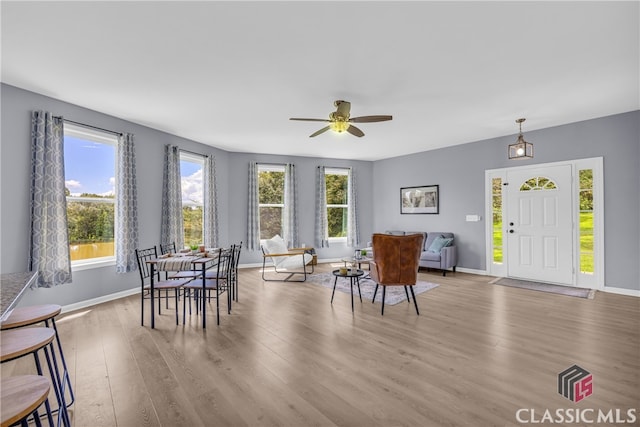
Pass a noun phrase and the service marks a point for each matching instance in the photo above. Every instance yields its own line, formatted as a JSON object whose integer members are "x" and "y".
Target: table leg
{"x": 351, "y": 284}
{"x": 203, "y": 298}
{"x": 359, "y": 293}
{"x": 153, "y": 323}
{"x": 335, "y": 282}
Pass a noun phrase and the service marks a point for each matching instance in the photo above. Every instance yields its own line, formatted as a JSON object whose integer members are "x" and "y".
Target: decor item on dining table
{"x": 420, "y": 200}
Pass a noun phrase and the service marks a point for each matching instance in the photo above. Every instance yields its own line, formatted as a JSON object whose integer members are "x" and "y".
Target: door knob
{"x": 511, "y": 224}
{"x": 510, "y": 231}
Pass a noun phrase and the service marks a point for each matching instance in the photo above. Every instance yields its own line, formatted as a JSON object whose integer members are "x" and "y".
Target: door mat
{"x": 545, "y": 287}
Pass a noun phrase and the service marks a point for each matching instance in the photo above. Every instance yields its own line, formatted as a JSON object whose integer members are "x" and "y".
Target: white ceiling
{"x": 231, "y": 74}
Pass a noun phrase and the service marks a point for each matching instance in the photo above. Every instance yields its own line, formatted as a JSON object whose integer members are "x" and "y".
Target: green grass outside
{"x": 586, "y": 242}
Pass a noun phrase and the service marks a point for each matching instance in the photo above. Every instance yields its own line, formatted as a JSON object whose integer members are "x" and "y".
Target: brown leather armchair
{"x": 395, "y": 262}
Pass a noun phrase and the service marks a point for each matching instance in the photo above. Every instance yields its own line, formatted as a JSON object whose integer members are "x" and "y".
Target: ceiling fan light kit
{"x": 340, "y": 120}
{"x": 521, "y": 149}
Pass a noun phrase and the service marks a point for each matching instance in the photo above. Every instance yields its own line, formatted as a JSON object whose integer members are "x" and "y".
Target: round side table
{"x": 353, "y": 276}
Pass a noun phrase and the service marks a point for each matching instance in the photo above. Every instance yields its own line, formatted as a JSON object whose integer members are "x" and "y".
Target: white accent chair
{"x": 291, "y": 262}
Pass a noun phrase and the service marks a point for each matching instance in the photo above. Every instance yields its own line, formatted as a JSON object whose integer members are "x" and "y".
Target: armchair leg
{"x": 384, "y": 289}
{"x": 414, "y": 300}
{"x": 407, "y": 292}
{"x": 375, "y": 291}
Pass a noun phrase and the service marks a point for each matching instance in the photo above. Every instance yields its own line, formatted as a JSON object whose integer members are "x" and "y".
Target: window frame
{"x": 186, "y": 156}
{"x": 100, "y": 137}
{"x": 337, "y": 171}
{"x": 265, "y": 167}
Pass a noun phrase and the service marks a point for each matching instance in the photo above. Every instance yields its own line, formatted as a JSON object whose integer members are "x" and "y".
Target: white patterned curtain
{"x": 290, "y": 228}
{"x": 253, "y": 214}
{"x": 126, "y": 205}
{"x": 49, "y": 244}
{"x": 210, "y": 220}
{"x": 321, "y": 228}
{"x": 172, "y": 228}
{"x": 353, "y": 232}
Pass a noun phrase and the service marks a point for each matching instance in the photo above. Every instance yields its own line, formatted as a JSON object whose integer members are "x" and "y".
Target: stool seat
{"x": 25, "y": 316}
{"x": 21, "y": 396}
{"x": 17, "y": 343}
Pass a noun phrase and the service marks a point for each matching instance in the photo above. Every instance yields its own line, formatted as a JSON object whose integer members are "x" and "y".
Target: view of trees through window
{"x": 191, "y": 173}
{"x": 89, "y": 162}
{"x": 270, "y": 199}
{"x": 586, "y": 222}
{"x": 496, "y": 205}
{"x": 337, "y": 208}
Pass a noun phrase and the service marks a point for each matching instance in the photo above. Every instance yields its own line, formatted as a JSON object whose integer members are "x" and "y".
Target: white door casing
{"x": 539, "y": 224}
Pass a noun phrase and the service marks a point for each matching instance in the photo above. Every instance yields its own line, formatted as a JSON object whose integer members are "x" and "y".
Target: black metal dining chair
{"x": 145, "y": 256}
{"x": 216, "y": 280}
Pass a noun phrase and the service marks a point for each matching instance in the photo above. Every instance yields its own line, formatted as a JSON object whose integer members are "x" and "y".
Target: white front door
{"x": 539, "y": 224}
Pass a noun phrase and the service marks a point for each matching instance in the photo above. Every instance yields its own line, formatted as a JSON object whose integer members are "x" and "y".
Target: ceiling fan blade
{"x": 355, "y": 131}
{"x": 369, "y": 119}
{"x": 324, "y": 129}
{"x": 310, "y": 120}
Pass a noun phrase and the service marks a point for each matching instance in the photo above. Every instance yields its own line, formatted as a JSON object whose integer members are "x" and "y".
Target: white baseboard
{"x": 470, "y": 271}
{"x": 95, "y": 301}
{"x": 621, "y": 291}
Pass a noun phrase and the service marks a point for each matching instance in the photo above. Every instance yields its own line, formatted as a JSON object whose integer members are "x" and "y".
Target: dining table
{"x": 179, "y": 262}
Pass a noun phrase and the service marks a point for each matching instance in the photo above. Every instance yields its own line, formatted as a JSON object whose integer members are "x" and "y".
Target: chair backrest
{"x": 236, "y": 258}
{"x": 168, "y": 248}
{"x": 397, "y": 258}
{"x": 225, "y": 263}
{"x": 144, "y": 255}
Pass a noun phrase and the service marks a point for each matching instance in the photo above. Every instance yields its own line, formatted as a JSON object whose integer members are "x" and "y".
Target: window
{"x": 585, "y": 195}
{"x": 191, "y": 174}
{"x": 538, "y": 183}
{"x": 496, "y": 205}
{"x": 337, "y": 184}
{"x": 270, "y": 199}
{"x": 90, "y": 170}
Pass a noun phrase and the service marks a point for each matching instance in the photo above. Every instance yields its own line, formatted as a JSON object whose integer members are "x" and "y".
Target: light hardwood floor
{"x": 287, "y": 357}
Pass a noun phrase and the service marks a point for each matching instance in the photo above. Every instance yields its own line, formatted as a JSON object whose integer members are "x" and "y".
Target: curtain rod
{"x": 193, "y": 152}
{"x": 335, "y": 167}
{"x": 89, "y": 126}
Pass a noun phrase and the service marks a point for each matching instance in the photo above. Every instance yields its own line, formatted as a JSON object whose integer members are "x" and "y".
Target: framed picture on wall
{"x": 419, "y": 200}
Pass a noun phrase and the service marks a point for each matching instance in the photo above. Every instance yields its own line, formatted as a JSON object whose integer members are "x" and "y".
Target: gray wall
{"x": 459, "y": 171}
{"x": 17, "y": 105}
{"x": 306, "y": 173}
{"x": 232, "y": 174}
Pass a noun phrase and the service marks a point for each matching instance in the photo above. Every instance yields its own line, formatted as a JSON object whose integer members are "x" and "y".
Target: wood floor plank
{"x": 286, "y": 356}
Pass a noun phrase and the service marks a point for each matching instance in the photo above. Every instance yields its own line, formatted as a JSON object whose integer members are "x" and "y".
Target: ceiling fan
{"x": 339, "y": 120}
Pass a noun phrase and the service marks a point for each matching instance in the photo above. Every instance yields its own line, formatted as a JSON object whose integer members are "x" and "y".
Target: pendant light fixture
{"x": 521, "y": 149}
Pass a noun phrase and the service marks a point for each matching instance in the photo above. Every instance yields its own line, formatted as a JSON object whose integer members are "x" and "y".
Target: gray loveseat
{"x": 444, "y": 259}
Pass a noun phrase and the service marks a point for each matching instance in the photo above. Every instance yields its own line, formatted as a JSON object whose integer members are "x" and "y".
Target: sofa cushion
{"x": 438, "y": 243}
{"x": 430, "y": 256}
{"x": 431, "y": 236}
{"x": 276, "y": 245}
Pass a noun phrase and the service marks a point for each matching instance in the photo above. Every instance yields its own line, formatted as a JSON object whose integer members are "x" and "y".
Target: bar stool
{"x": 22, "y": 342}
{"x": 21, "y": 396}
{"x": 27, "y": 316}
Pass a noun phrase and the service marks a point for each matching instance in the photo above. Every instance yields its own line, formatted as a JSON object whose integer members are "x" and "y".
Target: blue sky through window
{"x": 89, "y": 167}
